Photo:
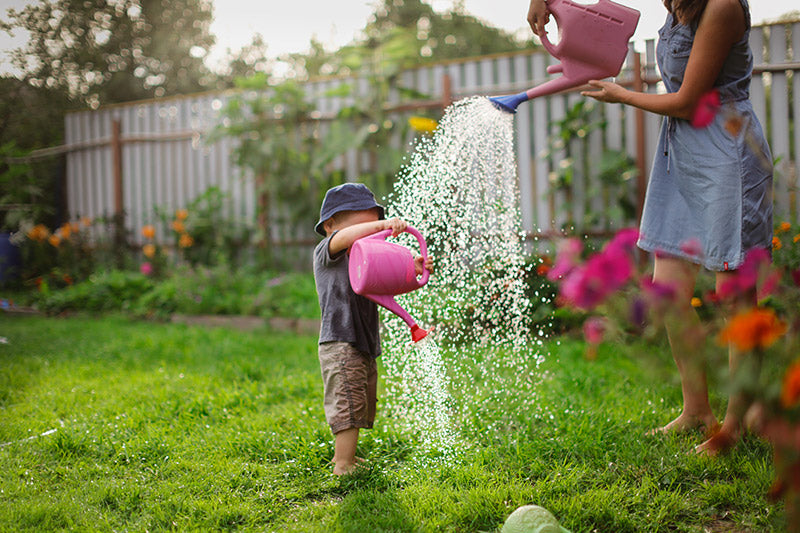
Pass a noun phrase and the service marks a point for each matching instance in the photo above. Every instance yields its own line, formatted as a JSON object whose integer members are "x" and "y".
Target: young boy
{"x": 349, "y": 341}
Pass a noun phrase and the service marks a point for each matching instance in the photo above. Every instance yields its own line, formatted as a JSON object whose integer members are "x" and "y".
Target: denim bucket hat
{"x": 346, "y": 197}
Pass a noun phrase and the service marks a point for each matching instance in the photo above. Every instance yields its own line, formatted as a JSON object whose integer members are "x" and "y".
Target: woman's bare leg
{"x": 687, "y": 341}
{"x": 731, "y": 429}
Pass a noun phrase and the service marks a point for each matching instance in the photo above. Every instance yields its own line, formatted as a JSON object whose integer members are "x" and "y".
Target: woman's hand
{"x": 418, "y": 265}
{"x": 606, "y": 91}
{"x": 538, "y": 16}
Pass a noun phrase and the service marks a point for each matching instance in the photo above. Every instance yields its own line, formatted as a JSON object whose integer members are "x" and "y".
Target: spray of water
{"x": 477, "y": 371}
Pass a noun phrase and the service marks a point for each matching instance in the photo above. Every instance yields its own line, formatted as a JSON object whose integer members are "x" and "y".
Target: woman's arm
{"x": 721, "y": 26}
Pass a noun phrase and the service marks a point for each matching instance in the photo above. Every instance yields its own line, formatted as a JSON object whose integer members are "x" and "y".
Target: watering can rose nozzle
{"x": 417, "y": 333}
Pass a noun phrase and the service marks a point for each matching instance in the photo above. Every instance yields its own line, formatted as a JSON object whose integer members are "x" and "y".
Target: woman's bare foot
{"x": 721, "y": 442}
{"x": 685, "y": 423}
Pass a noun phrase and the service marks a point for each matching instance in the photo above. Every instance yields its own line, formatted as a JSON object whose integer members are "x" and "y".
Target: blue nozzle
{"x": 510, "y": 102}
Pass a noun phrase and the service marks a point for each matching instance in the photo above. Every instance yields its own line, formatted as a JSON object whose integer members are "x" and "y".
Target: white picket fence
{"x": 166, "y": 163}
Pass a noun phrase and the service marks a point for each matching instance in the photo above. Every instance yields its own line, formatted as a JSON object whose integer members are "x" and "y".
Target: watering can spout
{"x": 593, "y": 45}
{"x": 509, "y": 102}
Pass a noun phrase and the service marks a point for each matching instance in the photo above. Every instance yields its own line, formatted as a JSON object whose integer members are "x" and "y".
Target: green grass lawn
{"x": 113, "y": 424}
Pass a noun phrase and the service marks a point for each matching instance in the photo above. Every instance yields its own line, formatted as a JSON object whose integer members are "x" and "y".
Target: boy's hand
{"x": 418, "y": 266}
{"x": 397, "y": 226}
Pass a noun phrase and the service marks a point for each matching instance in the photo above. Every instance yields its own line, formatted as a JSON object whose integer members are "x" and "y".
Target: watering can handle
{"x": 423, "y": 249}
{"x": 555, "y": 7}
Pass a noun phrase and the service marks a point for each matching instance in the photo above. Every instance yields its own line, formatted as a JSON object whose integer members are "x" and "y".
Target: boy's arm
{"x": 345, "y": 237}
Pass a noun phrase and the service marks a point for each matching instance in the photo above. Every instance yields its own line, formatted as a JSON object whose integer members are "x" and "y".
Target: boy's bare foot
{"x": 342, "y": 468}
{"x": 685, "y": 423}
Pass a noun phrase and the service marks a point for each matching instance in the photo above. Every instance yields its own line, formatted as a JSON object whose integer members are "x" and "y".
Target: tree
{"x": 422, "y": 34}
{"x": 105, "y": 51}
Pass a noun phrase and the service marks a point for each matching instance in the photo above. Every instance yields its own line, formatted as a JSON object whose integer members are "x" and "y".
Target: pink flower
{"x": 594, "y": 329}
{"x": 624, "y": 239}
{"x": 146, "y": 268}
{"x": 706, "y": 110}
{"x": 566, "y": 260}
{"x": 692, "y": 247}
{"x": 756, "y": 267}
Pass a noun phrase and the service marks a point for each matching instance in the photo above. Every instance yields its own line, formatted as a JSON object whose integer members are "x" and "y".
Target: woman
{"x": 710, "y": 185}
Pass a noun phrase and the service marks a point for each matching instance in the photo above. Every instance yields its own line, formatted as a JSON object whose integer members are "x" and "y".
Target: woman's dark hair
{"x": 686, "y": 11}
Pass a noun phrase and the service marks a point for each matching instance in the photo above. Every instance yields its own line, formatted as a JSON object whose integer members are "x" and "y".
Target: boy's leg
{"x": 350, "y": 379}
{"x": 344, "y": 455}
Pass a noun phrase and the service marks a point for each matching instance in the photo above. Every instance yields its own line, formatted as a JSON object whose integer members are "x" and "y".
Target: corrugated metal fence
{"x": 163, "y": 161}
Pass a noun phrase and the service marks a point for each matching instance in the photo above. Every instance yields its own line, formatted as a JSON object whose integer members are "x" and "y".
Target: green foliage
{"x": 104, "y": 52}
{"x": 407, "y": 33}
{"x": 104, "y": 291}
{"x": 186, "y": 290}
{"x": 215, "y": 237}
{"x": 171, "y": 427}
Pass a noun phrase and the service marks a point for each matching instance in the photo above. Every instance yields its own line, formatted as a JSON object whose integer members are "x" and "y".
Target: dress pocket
{"x": 680, "y": 48}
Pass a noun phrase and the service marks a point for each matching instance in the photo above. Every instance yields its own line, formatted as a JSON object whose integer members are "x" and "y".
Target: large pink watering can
{"x": 593, "y": 45}
{"x": 381, "y": 270}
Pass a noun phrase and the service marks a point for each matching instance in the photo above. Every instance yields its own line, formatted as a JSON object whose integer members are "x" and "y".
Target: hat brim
{"x": 353, "y": 206}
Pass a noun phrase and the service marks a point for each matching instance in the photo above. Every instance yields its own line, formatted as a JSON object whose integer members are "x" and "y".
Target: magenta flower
{"x": 707, "y": 108}
{"x": 692, "y": 247}
{"x": 569, "y": 252}
{"x": 625, "y": 239}
{"x": 594, "y": 329}
{"x": 756, "y": 266}
{"x": 146, "y": 268}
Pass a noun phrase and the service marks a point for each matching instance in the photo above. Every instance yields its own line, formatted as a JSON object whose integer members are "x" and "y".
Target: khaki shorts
{"x": 351, "y": 379}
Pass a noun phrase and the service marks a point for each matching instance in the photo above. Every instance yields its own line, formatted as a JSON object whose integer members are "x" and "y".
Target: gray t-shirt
{"x": 346, "y": 316}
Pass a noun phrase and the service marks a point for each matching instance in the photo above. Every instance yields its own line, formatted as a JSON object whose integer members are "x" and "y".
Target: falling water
{"x": 477, "y": 371}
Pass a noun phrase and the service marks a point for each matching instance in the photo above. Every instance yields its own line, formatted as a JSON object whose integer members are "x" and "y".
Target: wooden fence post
{"x": 116, "y": 166}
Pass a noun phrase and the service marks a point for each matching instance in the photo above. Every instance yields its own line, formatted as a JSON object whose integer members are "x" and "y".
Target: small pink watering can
{"x": 380, "y": 270}
{"x": 593, "y": 45}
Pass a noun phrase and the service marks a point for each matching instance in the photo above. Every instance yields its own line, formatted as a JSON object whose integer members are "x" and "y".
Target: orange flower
{"x": 542, "y": 269}
{"x": 65, "y": 230}
{"x": 178, "y": 226}
{"x": 181, "y": 214}
{"x": 39, "y": 233}
{"x": 757, "y": 328}
{"x": 776, "y": 243}
{"x": 697, "y": 302}
{"x": 149, "y": 250}
{"x": 796, "y": 238}
{"x": 86, "y": 222}
{"x": 790, "y": 393}
{"x": 76, "y": 227}
{"x": 784, "y": 227}
{"x": 185, "y": 241}
{"x": 148, "y": 231}
{"x": 67, "y": 279}
{"x": 54, "y": 240}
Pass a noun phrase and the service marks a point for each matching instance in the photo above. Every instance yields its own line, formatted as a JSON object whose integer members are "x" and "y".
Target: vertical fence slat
{"x": 757, "y": 93}
{"x": 796, "y": 107}
{"x": 779, "y": 113}
{"x": 524, "y": 152}
{"x": 544, "y": 216}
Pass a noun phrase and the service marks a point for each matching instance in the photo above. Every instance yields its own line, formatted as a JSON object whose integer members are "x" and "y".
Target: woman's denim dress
{"x": 709, "y": 185}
